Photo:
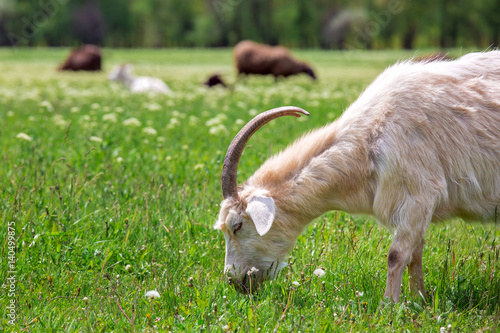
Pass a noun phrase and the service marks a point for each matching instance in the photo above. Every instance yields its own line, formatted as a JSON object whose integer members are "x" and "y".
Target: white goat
{"x": 421, "y": 144}
{"x": 141, "y": 84}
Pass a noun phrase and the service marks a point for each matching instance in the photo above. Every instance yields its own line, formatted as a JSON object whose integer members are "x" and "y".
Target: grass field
{"x": 107, "y": 195}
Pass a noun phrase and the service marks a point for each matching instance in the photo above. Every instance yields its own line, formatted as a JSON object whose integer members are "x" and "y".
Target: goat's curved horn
{"x": 235, "y": 150}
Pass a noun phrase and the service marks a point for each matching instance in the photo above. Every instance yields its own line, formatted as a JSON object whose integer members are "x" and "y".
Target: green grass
{"x": 89, "y": 195}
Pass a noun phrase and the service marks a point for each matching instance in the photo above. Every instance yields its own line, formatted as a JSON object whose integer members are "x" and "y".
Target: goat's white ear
{"x": 262, "y": 211}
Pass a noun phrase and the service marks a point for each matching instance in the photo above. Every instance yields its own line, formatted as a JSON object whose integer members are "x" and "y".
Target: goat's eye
{"x": 237, "y": 227}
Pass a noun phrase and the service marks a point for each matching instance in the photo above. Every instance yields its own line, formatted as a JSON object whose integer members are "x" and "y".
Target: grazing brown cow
{"x": 255, "y": 58}
{"x": 84, "y": 58}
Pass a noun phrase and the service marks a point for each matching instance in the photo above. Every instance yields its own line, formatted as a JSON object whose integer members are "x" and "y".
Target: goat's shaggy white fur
{"x": 421, "y": 144}
{"x": 141, "y": 84}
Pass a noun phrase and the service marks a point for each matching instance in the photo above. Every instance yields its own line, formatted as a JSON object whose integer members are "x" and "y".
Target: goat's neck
{"x": 325, "y": 170}
{"x": 127, "y": 79}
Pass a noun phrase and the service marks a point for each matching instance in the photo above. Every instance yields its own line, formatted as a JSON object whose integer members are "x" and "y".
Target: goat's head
{"x": 120, "y": 72}
{"x": 255, "y": 246}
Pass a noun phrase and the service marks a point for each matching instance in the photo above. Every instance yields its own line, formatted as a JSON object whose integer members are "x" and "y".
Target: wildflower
{"x": 173, "y": 123}
{"x": 119, "y": 109}
{"x": 95, "y": 106}
{"x": 319, "y": 272}
{"x": 59, "y": 121}
{"x": 95, "y": 139}
{"x": 153, "y": 294}
{"x": 128, "y": 268}
{"x": 24, "y": 136}
{"x": 239, "y": 122}
{"x": 149, "y": 130}
{"x": 47, "y": 105}
{"x": 359, "y": 293}
{"x": 74, "y": 109}
{"x": 86, "y": 299}
{"x": 219, "y": 129}
{"x": 225, "y": 328}
{"x": 110, "y": 117}
{"x": 119, "y": 159}
{"x": 200, "y": 166}
{"x": 153, "y": 107}
{"x": 193, "y": 120}
{"x": 161, "y": 139}
{"x": 295, "y": 284}
{"x": 216, "y": 120}
{"x": 132, "y": 122}
{"x": 252, "y": 271}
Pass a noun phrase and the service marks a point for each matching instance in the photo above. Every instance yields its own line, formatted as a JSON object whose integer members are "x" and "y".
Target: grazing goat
{"x": 84, "y": 58}
{"x": 255, "y": 58}
{"x": 141, "y": 84}
{"x": 420, "y": 145}
{"x": 213, "y": 80}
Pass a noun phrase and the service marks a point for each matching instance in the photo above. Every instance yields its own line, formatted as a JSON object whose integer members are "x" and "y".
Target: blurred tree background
{"x": 332, "y": 24}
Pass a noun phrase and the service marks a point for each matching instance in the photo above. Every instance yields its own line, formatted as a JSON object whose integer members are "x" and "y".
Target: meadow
{"x": 108, "y": 195}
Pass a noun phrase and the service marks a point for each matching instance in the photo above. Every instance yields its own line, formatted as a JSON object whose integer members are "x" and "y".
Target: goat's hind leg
{"x": 406, "y": 249}
{"x": 415, "y": 271}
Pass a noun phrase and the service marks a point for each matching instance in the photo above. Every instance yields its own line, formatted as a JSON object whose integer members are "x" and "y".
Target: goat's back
{"x": 435, "y": 132}
{"x": 425, "y": 133}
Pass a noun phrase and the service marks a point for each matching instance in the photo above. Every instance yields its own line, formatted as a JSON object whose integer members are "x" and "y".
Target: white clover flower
{"x": 200, "y": 166}
{"x": 31, "y": 118}
{"x": 173, "y": 123}
{"x": 119, "y": 109}
{"x": 106, "y": 109}
{"x": 161, "y": 139}
{"x": 152, "y": 294}
{"x": 74, "y": 109}
{"x": 253, "y": 112}
{"x": 110, "y": 117}
{"x": 95, "y": 139}
{"x": 225, "y": 328}
{"x": 149, "y": 130}
{"x": 252, "y": 271}
{"x": 359, "y": 293}
{"x": 24, "y": 136}
{"x": 132, "y": 122}
{"x": 95, "y": 106}
{"x": 153, "y": 107}
{"x": 193, "y": 120}
{"x": 59, "y": 121}
{"x": 216, "y": 120}
{"x": 36, "y": 237}
{"x": 219, "y": 129}
{"x": 239, "y": 122}
{"x": 295, "y": 284}
{"x": 85, "y": 299}
{"x": 119, "y": 159}
{"x": 47, "y": 105}
{"x": 128, "y": 268}
{"x": 319, "y": 272}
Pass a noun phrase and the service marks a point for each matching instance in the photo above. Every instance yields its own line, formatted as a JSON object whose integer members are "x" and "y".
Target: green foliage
{"x": 102, "y": 179}
{"x": 297, "y": 23}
